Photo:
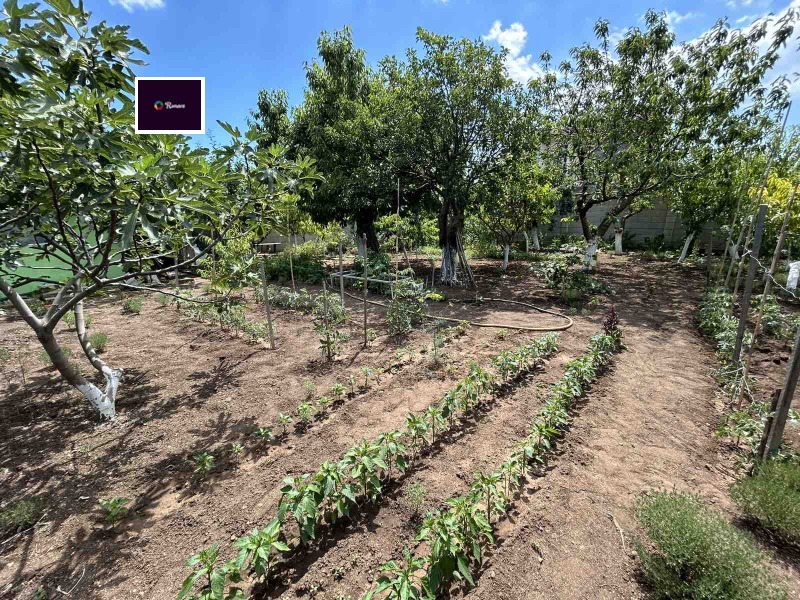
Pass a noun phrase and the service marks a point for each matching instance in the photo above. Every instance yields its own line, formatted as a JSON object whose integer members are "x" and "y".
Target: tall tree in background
{"x": 337, "y": 124}
{"x": 630, "y": 123}
{"x": 456, "y": 115}
{"x": 271, "y": 118}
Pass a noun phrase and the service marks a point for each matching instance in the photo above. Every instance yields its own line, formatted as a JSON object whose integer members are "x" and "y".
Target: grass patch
{"x": 697, "y": 554}
{"x": 21, "y": 515}
{"x": 771, "y": 497}
{"x": 99, "y": 341}
{"x": 132, "y": 306}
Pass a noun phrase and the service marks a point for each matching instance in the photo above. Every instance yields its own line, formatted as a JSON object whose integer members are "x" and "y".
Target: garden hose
{"x": 495, "y": 325}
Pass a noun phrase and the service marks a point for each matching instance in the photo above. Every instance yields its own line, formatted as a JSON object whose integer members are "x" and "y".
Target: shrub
{"x": 114, "y": 509}
{"x": 306, "y": 262}
{"x": 99, "y": 341}
{"x": 772, "y": 497}
{"x": 415, "y": 497}
{"x": 406, "y": 308}
{"x": 698, "y": 554}
{"x": 132, "y": 306}
{"x": 21, "y": 515}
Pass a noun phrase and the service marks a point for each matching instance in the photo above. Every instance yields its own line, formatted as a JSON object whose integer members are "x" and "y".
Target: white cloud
{"x": 746, "y": 19}
{"x": 742, "y": 3}
{"x": 520, "y": 67}
{"x": 130, "y": 5}
{"x": 674, "y": 17}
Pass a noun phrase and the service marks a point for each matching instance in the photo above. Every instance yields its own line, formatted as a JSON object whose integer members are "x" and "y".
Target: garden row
{"x": 361, "y": 476}
{"x": 456, "y": 537}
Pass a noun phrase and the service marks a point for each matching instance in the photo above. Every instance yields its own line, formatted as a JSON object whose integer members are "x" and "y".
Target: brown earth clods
{"x": 647, "y": 423}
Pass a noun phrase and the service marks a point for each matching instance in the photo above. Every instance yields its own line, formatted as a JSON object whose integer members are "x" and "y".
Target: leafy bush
{"x": 406, "y": 308}
{"x": 415, "y": 497}
{"x": 697, "y": 554}
{"x": 21, "y": 515}
{"x": 232, "y": 268}
{"x": 132, "y": 306}
{"x": 306, "y": 262}
{"x": 772, "y": 497}
{"x": 203, "y": 463}
{"x": 99, "y": 341}
{"x": 114, "y": 509}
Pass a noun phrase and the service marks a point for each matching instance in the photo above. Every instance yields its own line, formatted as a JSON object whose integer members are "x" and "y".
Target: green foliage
{"x": 69, "y": 319}
{"x": 283, "y": 421}
{"x": 114, "y": 509}
{"x": 305, "y": 412}
{"x": 264, "y": 434}
{"x": 99, "y": 341}
{"x": 406, "y": 308}
{"x": 306, "y": 263}
{"x": 697, "y": 554}
{"x": 772, "y": 497}
{"x": 132, "y": 306}
{"x": 21, "y": 515}
{"x": 774, "y": 322}
{"x": 226, "y": 315}
{"x": 257, "y": 548}
{"x": 214, "y": 580}
{"x": 285, "y": 297}
{"x": 203, "y": 463}
{"x": 398, "y": 579}
{"x": 232, "y": 267}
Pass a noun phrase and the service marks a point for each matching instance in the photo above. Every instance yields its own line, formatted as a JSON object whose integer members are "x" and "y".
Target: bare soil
{"x": 193, "y": 387}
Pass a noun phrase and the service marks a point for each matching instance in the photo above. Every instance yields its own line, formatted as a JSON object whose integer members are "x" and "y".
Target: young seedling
{"x": 338, "y": 391}
{"x": 203, "y": 463}
{"x": 323, "y": 403}
{"x": 351, "y": 380}
{"x": 237, "y": 450}
{"x": 114, "y": 509}
{"x": 305, "y": 410}
{"x": 261, "y": 547}
{"x": 310, "y": 388}
{"x": 264, "y": 434}
{"x": 366, "y": 372}
{"x": 132, "y": 306}
{"x": 214, "y": 579}
{"x": 283, "y": 421}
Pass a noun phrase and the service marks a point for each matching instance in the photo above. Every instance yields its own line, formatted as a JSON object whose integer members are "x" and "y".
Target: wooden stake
{"x": 745, "y": 227}
{"x": 785, "y": 402}
{"x": 366, "y": 274}
{"x": 291, "y": 266}
{"x": 341, "y": 273}
{"x": 263, "y": 270}
{"x": 177, "y": 260}
{"x": 748, "y": 288}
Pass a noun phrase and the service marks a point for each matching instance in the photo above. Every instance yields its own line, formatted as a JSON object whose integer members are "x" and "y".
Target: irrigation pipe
{"x": 494, "y": 325}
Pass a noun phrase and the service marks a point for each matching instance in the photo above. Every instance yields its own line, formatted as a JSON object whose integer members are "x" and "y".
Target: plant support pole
{"x": 263, "y": 271}
{"x": 784, "y": 402}
{"x": 366, "y": 273}
{"x": 752, "y": 266}
{"x": 341, "y": 274}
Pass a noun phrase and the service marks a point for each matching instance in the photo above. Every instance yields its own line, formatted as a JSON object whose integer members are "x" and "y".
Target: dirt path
{"x": 648, "y": 424}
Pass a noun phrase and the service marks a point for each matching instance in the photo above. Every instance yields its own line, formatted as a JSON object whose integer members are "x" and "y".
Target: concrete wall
{"x": 649, "y": 223}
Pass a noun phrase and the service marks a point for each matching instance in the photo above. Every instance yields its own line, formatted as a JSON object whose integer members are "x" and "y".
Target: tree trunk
{"x": 618, "y": 241}
{"x": 506, "y": 250}
{"x": 536, "y": 243}
{"x": 687, "y": 245}
{"x": 590, "y": 258}
{"x": 527, "y": 242}
{"x": 104, "y": 402}
{"x": 451, "y": 226}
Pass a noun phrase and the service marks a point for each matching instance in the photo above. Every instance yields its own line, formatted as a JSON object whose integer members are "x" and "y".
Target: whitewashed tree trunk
{"x": 362, "y": 247}
{"x": 686, "y": 245}
{"x": 536, "y": 243}
{"x": 618, "y": 241}
{"x": 506, "y": 250}
{"x": 590, "y": 258}
{"x": 527, "y": 241}
{"x": 449, "y": 273}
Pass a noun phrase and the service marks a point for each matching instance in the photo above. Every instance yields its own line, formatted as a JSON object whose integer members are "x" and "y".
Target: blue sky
{"x": 242, "y": 46}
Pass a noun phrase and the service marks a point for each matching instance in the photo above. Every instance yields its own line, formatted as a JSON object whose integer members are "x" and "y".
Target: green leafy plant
{"x": 99, "y": 341}
{"x": 203, "y": 463}
{"x": 338, "y": 392}
{"x": 771, "y": 497}
{"x": 132, "y": 306}
{"x": 323, "y": 402}
{"x": 367, "y": 373}
{"x": 264, "y": 434}
{"x": 260, "y": 548}
{"x": 214, "y": 581}
{"x": 114, "y": 509}
{"x": 310, "y": 389}
{"x": 398, "y": 579}
{"x": 300, "y": 498}
{"x": 237, "y": 450}
{"x": 305, "y": 411}
{"x": 406, "y": 307}
{"x": 283, "y": 421}
{"x": 696, "y": 553}
{"x": 365, "y": 464}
